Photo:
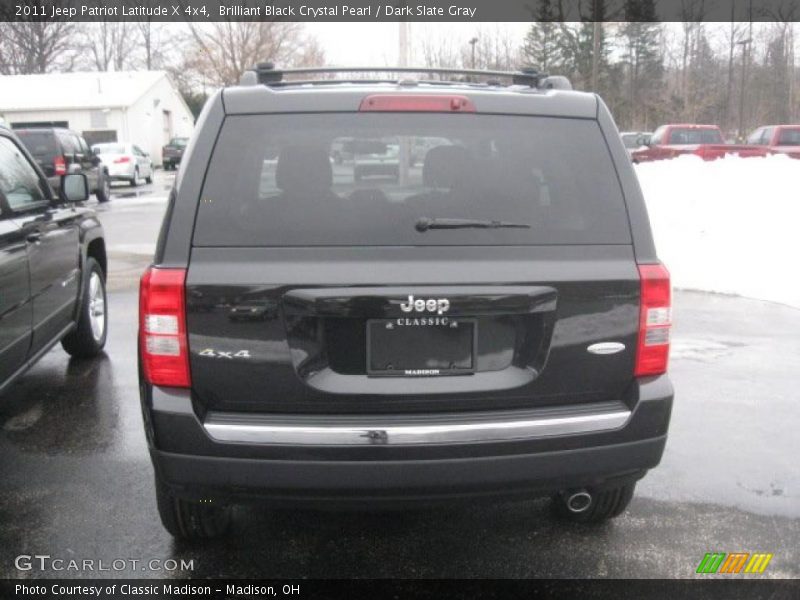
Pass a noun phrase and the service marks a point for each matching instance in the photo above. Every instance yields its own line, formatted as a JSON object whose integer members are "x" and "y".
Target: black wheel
{"x": 103, "y": 192}
{"x": 149, "y": 178}
{"x": 135, "y": 180}
{"x": 604, "y": 504}
{"x": 190, "y": 520}
{"x": 89, "y": 337}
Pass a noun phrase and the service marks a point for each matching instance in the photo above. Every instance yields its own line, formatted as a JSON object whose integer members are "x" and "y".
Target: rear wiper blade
{"x": 426, "y": 223}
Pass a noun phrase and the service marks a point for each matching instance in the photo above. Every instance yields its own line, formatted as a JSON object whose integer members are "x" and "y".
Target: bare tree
{"x": 310, "y": 54}
{"x": 785, "y": 13}
{"x": 494, "y": 49}
{"x": 109, "y": 44}
{"x": 793, "y": 112}
{"x": 37, "y": 46}
{"x": 439, "y": 51}
{"x": 159, "y": 44}
{"x": 487, "y": 48}
{"x": 148, "y": 35}
{"x": 691, "y": 25}
{"x": 223, "y": 50}
{"x": 732, "y": 38}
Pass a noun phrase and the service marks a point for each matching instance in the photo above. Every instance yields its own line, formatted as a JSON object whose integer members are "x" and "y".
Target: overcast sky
{"x": 368, "y": 44}
{"x": 371, "y": 44}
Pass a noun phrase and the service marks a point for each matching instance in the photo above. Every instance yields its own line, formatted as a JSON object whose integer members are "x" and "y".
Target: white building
{"x": 140, "y": 107}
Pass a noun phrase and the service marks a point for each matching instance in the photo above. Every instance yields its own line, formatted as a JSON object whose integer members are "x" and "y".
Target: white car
{"x": 378, "y": 159}
{"x": 125, "y": 162}
{"x": 633, "y": 140}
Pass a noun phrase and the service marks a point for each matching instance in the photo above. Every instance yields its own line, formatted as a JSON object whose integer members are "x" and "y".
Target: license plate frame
{"x": 423, "y": 331}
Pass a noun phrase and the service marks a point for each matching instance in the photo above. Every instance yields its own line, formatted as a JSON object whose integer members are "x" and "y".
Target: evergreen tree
{"x": 643, "y": 57}
{"x": 541, "y": 48}
{"x": 576, "y": 48}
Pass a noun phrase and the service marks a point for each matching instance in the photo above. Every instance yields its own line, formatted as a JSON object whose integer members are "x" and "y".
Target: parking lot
{"x": 77, "y": 480}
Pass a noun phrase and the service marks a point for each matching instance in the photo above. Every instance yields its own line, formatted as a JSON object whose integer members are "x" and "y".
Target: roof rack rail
{"x": 266, "y": 74}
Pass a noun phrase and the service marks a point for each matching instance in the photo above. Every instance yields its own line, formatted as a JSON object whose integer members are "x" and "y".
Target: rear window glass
{"x": 41, "y": 144}
{"x": 68, "y": 143}
{"x": 369, "y": 179}
{"x": 789, "y": 137}
{"x": 109, "y": 149}
{"x": 679, "y": 135}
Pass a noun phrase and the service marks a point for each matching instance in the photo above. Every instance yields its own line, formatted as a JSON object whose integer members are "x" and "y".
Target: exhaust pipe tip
{"x": 578, "y": 502}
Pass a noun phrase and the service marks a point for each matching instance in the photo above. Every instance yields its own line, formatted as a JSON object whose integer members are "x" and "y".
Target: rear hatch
{"x": 110, "y": 154}
{"x": 496, "y": 272}
{"x": 43, "y": 146}
{"x": 174, "y": 149}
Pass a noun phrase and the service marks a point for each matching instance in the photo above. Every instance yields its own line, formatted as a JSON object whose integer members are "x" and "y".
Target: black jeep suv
{"x": 493, "y": 322}
{"x": 52, "y": 265}
{"x": 61, "y": 151}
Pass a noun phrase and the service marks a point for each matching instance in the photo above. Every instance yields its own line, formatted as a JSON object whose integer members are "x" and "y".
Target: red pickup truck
{"x": 705, "y": 141}
{"x": 777, "y": 139}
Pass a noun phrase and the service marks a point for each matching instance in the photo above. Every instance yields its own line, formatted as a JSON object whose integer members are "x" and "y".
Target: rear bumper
{"x": 120, "y": 171}
{"x": 377, "y": 483}
{"x": 378, "y": 169}
{"x": 195, "y": 461}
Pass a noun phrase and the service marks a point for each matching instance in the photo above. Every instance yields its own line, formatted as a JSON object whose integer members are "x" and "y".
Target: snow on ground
{"x": 730, "y": 225}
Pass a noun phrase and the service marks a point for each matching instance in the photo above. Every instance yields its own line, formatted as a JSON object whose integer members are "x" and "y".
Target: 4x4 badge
{"x": 220, "y": 354}
{"x": 437, "y": 305}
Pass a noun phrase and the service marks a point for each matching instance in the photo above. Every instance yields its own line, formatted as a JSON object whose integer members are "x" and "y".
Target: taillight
{"x": 60, "y": 165}
{"x": 162, "y": 327}
{"x": 122, "y": 159}
{"x": 655, "y": 320}
{"x": 416, "y": 103}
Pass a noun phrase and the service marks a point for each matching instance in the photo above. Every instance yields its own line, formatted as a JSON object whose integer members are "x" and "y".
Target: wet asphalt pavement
{"x": 76, "y": 480}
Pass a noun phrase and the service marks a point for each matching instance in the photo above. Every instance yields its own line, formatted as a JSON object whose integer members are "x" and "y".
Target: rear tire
{"x": 606, "y": 504}
{"x": 135, "y": 181}
{"x": 190, "y": 520}
{"x": 103, "y": 192}
{"x": 89, "y": 337}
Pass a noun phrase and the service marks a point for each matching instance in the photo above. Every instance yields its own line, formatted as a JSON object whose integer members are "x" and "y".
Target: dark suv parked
{"x": 52, "y": 265}
{"x": 61, "y": 151}
{"x": 494, "y": 322}
{"x": 172, "y": 153}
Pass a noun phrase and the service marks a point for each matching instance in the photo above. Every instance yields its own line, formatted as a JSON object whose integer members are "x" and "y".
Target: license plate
{"x": 421, "y": 347}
